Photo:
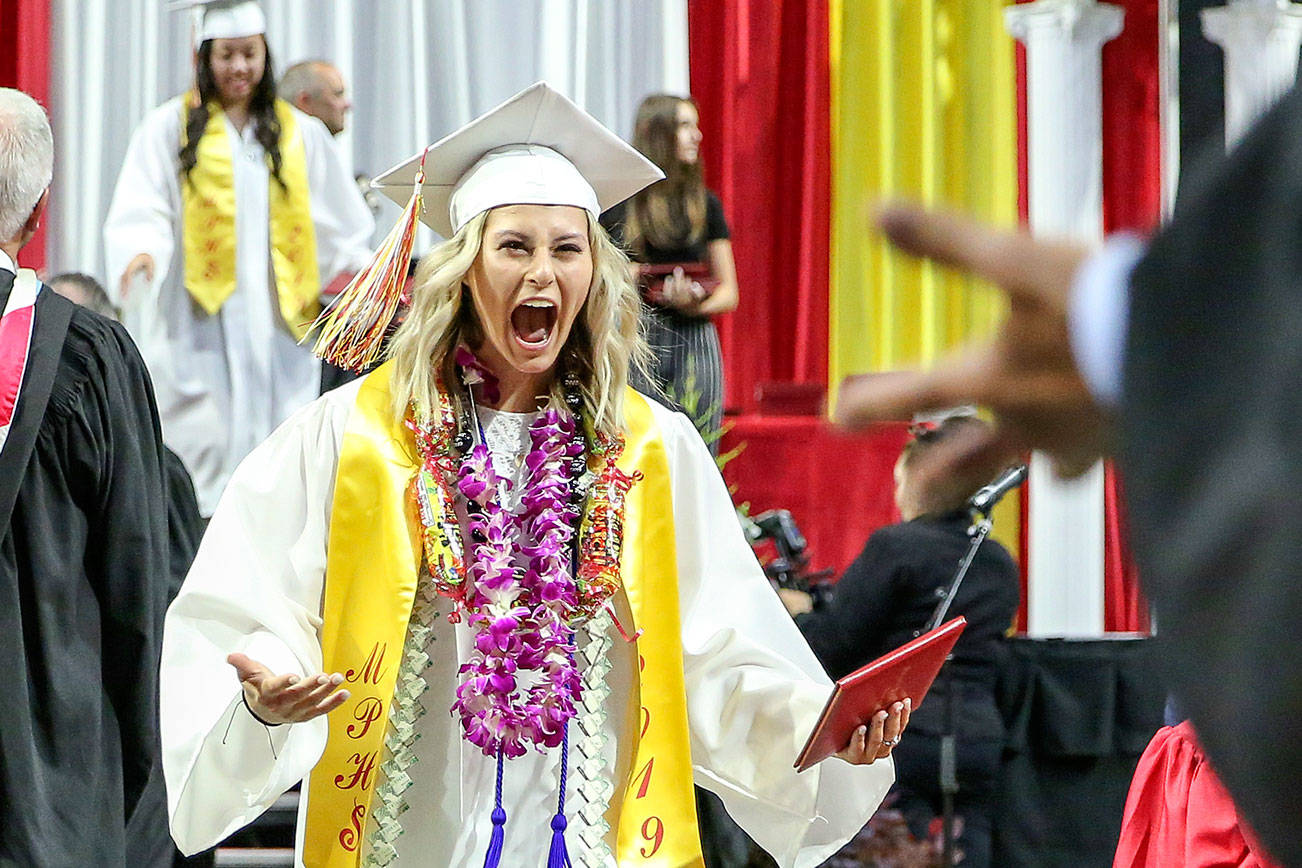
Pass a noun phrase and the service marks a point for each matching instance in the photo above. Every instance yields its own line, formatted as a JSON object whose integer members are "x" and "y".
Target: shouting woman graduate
{"x": 494, "y": 606}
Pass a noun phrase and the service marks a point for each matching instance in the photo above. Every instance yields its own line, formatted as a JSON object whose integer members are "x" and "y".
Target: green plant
{"x": 688, "y": 396}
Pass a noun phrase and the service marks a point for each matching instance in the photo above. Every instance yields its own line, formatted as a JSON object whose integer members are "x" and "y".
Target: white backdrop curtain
{"x": 416, "y": 70}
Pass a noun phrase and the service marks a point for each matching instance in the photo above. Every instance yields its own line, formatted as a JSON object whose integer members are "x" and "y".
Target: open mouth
{"x": 533, "y": 322}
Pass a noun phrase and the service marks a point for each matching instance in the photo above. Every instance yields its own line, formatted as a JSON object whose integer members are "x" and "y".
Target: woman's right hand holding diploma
{"x": 276, "y": 699}
{"x": 875, "y": 741}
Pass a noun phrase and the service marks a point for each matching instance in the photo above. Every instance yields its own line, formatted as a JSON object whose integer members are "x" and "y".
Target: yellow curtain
{"x": 923, "y": 107}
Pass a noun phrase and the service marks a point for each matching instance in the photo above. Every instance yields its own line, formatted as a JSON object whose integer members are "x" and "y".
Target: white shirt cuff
{"x": 1098, "y": 312}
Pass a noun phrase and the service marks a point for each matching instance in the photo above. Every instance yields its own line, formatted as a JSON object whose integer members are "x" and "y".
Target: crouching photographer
{"x": 885, "y": 598}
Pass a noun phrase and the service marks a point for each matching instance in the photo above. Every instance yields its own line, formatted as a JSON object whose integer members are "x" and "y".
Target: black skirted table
{"x": 1079, "y": 714}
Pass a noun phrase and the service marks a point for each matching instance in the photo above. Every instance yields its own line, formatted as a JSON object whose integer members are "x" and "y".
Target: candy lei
{"x": 520, "y": 685}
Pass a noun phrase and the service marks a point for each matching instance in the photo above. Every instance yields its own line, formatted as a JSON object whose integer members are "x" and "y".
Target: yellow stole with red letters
{"x": 374, "y": 559}
{"x": 208, "y": 218}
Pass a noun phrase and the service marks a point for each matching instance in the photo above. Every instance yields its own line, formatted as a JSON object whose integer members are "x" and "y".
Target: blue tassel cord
{"x": 558, "y": 856}
{"x": 494, "y": 855}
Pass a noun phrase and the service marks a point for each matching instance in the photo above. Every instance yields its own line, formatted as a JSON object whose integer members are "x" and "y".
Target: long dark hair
{"x": 262, "y": 111}
{"x": 669, "y": 213}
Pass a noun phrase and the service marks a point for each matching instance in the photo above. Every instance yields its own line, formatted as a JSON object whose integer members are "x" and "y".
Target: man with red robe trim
{"x": 83, "y": 555}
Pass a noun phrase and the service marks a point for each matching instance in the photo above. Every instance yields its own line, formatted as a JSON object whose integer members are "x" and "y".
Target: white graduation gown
{"x": 223, "y": 382}
{"x": 754, "y": 689}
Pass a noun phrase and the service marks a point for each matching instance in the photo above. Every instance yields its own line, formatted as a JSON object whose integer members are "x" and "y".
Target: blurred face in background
{"x": 237, "y": 68}
{"x": 328, "y": 100}
{"x": 689, "y": 133}
{"x": 906, "y": 500}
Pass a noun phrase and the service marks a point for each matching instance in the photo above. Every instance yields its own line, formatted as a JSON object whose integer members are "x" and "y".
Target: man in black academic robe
{"x": 83, "y": 578}
{"x": 1208, "y": 425}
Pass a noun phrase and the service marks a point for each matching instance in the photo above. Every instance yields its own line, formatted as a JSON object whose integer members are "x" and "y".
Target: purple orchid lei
{"x": 520, "y": 684}
{"x": 475, "y": 373}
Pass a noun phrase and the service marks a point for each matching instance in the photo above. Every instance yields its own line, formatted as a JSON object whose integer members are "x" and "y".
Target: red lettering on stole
{"x": 653, "y": 828}
{"x": 367, "y": 712}
{"x": 361, "y": 776}
{"x": 645, "y": 774}
{"x": 373, "y": 670}
{"x": 656, "y": 836}
{"x": 351, "y": 835}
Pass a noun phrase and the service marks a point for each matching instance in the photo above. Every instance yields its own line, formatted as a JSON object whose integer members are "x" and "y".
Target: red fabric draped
{"x": 1132, "y": 199}
{"x": 837, "y": 486}
{"x": 1024, "y": 216}
{"x": 759, "y": 73}
{"x": 1124, "y": 606}
{"x": 25, "y": 65}
{"x": 1132, "y": 129}
{"x": 1178, "y": 812}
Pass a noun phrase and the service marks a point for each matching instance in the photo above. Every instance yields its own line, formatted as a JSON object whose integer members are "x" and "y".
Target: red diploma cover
{"x": 906, "y": 672}
{"x": 653, "y": 277}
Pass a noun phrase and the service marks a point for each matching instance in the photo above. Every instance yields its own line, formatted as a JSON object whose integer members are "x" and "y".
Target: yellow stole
{"x": 208, "y": 215}
{"x": 374, "y": 557}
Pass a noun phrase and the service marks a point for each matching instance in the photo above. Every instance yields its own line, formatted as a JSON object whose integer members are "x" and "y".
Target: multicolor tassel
{"x": 350, "y": 333}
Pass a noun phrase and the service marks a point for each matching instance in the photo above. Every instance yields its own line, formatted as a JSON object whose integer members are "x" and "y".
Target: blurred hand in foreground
{"x": 1025, "y": 374}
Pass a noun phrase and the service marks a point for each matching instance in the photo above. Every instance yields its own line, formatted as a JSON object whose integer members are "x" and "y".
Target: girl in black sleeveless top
{"x": 678, "y": 221}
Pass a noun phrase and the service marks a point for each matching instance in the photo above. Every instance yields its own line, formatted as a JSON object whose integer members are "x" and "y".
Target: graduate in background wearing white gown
{"x": 394, "y": 600}
{"x": 231, "y": 212}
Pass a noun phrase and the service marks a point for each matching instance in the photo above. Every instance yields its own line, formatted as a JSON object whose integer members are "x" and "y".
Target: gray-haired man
{"x": 83, "y": 551}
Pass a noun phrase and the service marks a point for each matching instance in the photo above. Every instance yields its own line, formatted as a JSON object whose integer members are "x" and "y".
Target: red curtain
{"x": 1124, "y": 607}
{"x": 1024, "y": 215}
{"x": 1132, "y": 129}
{"x": 836, "y": 485}
{"x": 1132, "y": 199}
{"x": 25, "y": 65}
{"x": 759, "y": 73}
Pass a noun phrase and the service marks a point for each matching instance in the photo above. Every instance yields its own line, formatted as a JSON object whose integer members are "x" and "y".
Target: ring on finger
{"x": 890, "y": 742}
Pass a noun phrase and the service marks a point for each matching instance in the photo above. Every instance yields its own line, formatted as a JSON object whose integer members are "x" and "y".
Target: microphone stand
{"x": 979, "y": 530}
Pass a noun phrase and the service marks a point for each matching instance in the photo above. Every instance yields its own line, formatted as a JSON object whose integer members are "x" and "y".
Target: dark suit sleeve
{"x": 1213, "y": 461}
{"x": 185, "y": 526}
{"x": 113, "y": 444}
{"x": 844, "y": 632}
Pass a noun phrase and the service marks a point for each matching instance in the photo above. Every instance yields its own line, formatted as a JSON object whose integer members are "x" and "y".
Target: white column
{"x": 1064, "y": 41}
{"x": 1260, "y": 39}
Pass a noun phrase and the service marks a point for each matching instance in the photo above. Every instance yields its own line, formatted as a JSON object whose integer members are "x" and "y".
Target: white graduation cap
{"x": 537, "y": 148}
{"x": 224, "y": 19}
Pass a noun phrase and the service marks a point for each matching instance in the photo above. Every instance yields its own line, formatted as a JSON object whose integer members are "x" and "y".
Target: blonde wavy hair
{"x": 605, "y": 342}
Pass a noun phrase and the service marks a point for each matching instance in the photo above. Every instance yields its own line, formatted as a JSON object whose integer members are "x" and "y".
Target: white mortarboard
{"x": 224, "y": 19}
{"x": 537, "y": 148}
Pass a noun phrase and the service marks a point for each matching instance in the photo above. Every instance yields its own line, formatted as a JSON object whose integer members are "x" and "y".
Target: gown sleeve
{"x": 146, "y": 202}
{"x": 110, "y": 435}
{"x": 754, "y": 689}
{"x": 344, "y": 224}
{"x": 255, "y": 587}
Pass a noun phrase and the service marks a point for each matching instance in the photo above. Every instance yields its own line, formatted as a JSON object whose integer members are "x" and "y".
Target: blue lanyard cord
{"x": 494, "y": 855}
